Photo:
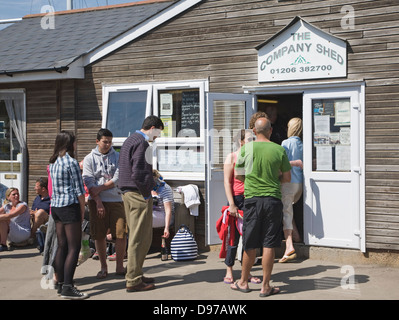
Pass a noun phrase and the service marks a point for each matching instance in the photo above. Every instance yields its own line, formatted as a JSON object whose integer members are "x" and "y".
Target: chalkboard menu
{"x": 190, "y": 114}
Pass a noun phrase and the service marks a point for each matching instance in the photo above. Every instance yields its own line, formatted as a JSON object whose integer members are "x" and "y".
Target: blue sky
{"x": 10, "y": 9}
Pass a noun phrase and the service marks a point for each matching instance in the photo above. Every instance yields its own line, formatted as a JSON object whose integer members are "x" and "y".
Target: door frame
{"x": 328, "y": 86}
{"x": 215, "y": 194}
{"x": 22, "y": 179}
{"x": 352, "y": 177}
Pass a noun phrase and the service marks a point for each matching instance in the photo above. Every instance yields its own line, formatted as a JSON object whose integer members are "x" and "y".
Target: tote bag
{"x": 183, "y": 246}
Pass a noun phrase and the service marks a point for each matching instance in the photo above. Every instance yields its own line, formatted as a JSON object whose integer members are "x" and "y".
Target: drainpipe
{"x": 69, "y": 4}
{"x": 6, "y": 21}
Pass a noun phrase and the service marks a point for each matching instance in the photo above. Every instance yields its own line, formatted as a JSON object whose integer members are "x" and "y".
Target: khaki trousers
{"x": 290, "y": 194}
{"x": 139, "y": 221}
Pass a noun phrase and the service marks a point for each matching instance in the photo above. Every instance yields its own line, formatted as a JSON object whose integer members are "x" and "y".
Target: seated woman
{"x": 163, "y": 204}
{"x": 14, "y": 220}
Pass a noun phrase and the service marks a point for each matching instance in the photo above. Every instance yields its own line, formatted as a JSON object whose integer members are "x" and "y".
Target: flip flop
{"x": 237, "y": 288}
{"x": 290, "y": 256}
{"x": 272, "y": 292}
{"x": 255, "y": 280}
{"x": 228, "y": 280}
{"x": 102, "y": 274}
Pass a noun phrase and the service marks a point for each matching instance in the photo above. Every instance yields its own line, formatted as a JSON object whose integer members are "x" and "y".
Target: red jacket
{"x": 224, "y": 225}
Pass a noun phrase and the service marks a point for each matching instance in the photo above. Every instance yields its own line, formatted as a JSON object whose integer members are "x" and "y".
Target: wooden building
{"x": 207, "y": 66}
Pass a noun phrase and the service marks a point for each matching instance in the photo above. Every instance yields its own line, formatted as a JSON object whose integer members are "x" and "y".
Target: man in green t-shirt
{"x": 263, "y": 166}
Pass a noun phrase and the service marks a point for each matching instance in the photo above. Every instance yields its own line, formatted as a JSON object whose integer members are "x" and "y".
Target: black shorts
{"x": 263, "y": 223}
{"x": 68, "y": 214}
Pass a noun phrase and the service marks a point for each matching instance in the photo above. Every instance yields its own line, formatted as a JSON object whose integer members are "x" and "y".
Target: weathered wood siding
{"x": 50, "y": 107}
{"x": 216, "y": 40}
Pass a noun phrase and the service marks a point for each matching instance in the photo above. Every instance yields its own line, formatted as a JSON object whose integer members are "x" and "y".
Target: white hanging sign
{"x": 301, "y": 51}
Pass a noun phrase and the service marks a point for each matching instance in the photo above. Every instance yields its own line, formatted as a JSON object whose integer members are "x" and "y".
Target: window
{"x": 125, "y": 111}
{"x": 228, "y": 120}
{"x": 180, "y": 105}
{"x": 180, "y": 149}
{"x": 331, "y": 134}
{"x": 125, "y": 108}
{"x": 9, "y": 146}
{"x": 180, "y": 112}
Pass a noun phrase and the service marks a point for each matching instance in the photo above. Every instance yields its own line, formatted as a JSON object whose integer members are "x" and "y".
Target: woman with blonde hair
{"x": 14, "y": 220}
{"x": 292, "y": 191}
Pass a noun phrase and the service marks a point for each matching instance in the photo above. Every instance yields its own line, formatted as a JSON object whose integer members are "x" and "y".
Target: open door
{"x": 226, "y": 115}
{"x": 333, "y": 138}
{"x": 13, "y": 152}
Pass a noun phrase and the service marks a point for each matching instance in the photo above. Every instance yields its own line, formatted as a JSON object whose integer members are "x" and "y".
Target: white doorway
{"x": 13, "y": 141}
{"x": 226, "y": 114}
{"x": 334, "y": 160}
{"x": 334, "y": 167}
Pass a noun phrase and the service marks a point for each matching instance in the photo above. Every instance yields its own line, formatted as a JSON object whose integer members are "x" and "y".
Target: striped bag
{"x": 183, "y": 246}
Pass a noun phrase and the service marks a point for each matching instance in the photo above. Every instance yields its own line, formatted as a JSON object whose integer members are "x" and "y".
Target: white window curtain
{"x": 15, "y": 105}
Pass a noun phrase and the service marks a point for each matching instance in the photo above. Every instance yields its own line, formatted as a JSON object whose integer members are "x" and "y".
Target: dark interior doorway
{"x": 284, "y": 107}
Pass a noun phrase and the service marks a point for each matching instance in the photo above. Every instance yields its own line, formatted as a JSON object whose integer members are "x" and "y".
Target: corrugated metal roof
{"x": 26, "y": 46}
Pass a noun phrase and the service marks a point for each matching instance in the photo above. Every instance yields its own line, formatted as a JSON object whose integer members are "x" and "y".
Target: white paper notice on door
{"x": 342, "y": 158}
{"x": 322, "y": 124}
{"x": 166, "y": 104}
{"x": 342, "y": 113}
{"x": 345, "y": 135}
{"x": 324, "y": 158}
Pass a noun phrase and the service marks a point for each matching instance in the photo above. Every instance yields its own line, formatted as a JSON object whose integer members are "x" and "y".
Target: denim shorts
{"x": 263, "y": 223}
{"x": 68, "y": 214}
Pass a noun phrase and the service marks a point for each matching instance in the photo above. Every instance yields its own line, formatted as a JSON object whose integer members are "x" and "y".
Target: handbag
{"x": 85, "y": 250}
{"x": 183, "y": 245}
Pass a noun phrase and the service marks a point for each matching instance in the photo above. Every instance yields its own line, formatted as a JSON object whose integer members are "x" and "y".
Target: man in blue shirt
{"x": 41, "y": 205}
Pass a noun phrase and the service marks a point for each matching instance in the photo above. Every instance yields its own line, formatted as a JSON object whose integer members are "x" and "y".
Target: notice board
{"x": 190, "y": 113}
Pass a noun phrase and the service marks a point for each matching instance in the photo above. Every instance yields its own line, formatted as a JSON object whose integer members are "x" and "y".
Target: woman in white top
{"x": 14, "y": 220}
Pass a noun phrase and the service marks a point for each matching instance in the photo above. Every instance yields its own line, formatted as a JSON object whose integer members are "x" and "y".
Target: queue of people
{"x": 264, "y": 180}
{"x": 120, "y": 205}
{"x": 261, "y": 178}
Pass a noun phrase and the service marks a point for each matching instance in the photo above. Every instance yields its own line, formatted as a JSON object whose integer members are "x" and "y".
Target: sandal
{"x": 102, "y": 274}
{"x": 255, "y": 280}
{"x": 290, "y": 256}
{"x": 272, "y": 292}
{"x": 228, "y": 280}
{"x": 237, "y": 288}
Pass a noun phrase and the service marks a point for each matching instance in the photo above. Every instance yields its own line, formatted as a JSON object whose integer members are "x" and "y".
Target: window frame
{"x": 107, "y": 89}
{"x": 190, "y": 142}
{"x": 201, "y": 85}
{"x": 152, "y": 107}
